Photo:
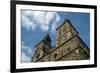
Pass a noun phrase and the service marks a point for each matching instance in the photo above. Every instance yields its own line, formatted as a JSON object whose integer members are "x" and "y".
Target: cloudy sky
{"x": 36, "y": 24}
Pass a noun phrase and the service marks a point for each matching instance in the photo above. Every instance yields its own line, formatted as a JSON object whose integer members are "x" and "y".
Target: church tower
{"x": 72, "y": 45}
{"x": 65, "y": 32}
{"x": 42, "y": 48}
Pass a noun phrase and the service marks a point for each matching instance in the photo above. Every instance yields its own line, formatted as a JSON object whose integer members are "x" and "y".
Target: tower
{"x": 72, "y": 46}
{"x": 42, "y": 48}
{"x": 65, "y": 32}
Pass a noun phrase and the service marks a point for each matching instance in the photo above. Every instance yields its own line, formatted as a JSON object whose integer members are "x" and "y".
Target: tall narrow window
{"x": 55, "y": 56}
{"x": 69, "y": 35}
{"x": 38, "y": 55}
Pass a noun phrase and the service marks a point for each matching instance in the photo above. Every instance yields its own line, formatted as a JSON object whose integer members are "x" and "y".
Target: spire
{"x": 47, "y": 39}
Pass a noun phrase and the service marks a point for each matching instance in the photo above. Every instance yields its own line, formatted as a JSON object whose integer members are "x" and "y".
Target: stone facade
{"x": 69, "y": 46}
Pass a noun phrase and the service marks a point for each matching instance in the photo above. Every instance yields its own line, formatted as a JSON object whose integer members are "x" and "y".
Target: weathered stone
{"x": 69, "y": 46}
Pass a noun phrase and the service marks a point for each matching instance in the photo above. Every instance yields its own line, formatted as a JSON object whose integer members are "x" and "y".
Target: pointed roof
{"x": 46, "y": 38}
{"x": 67, "y": 20}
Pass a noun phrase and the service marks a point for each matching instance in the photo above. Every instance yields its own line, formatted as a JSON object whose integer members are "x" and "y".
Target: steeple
{"x": 42, "y": 48}
{"x": 47, "y": 39}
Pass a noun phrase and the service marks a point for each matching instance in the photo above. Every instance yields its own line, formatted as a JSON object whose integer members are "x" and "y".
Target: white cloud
{"x": 55, "y": 23}
{"x": 41, "y": 19}
{"x": 26, "y": 48}
{"x": 27, "y": 21}
{"x": 50, "y": 16}
{"x": 25, "y": 58}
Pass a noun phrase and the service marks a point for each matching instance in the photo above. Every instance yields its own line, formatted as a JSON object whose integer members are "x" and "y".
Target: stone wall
{"x": 69, "y": 46}
{"x": 70, "y": 50}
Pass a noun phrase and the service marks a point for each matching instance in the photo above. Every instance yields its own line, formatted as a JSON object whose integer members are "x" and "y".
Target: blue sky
{"x": 36, "y": 24}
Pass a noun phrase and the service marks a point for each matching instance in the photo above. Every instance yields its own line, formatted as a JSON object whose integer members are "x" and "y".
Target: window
{"x": 69, "y": 34}
{"x": 55, "y": 56}
{"x": 64, "y": 38}
{"x": 38, "y": 55}
{"x": 68, "y": 49}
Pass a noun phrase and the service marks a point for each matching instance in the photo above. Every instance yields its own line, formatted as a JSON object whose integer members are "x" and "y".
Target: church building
{"x": 69, "y": 46}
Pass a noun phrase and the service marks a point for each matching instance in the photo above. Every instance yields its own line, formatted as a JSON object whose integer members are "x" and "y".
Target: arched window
{"x": 55, "y": 56}
{"x": 38, "y": 55}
